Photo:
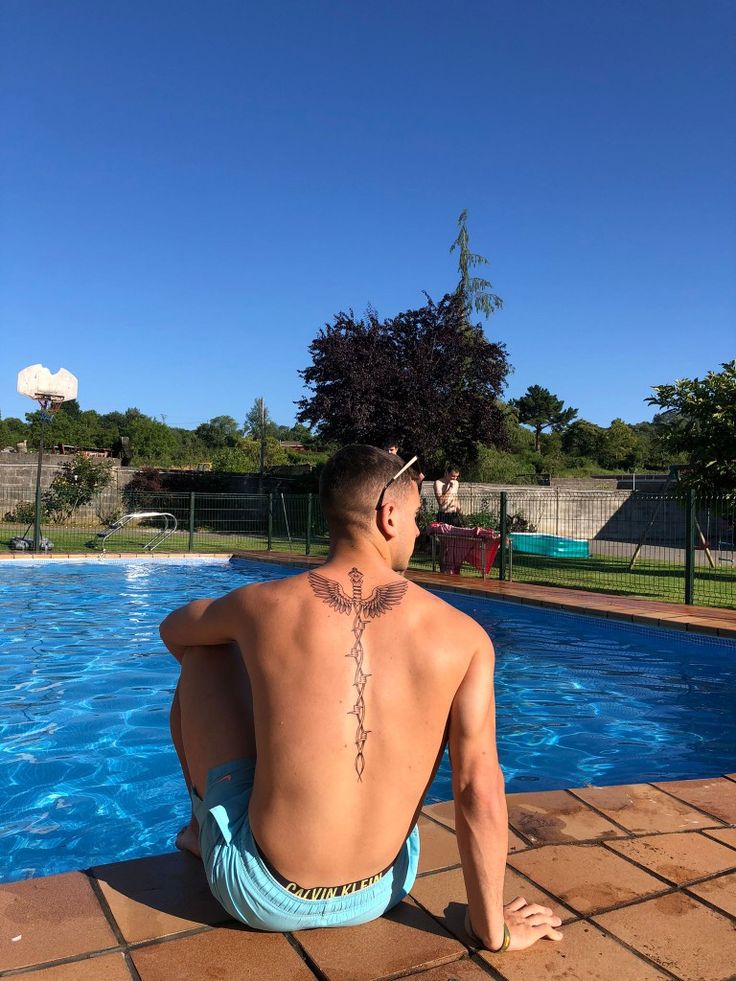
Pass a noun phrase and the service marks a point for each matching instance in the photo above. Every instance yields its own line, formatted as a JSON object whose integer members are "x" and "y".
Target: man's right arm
{"x": 481, "y": 818}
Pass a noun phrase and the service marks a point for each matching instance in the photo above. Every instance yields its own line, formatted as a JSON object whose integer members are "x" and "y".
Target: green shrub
{"x": 24, "y": 513}
{"x": 75, "y": 485}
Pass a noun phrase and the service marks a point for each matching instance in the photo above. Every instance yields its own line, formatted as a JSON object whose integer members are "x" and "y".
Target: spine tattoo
{"x": 380, "y": 601}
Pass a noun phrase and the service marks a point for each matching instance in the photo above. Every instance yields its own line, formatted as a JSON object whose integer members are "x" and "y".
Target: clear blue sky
{"x": 191, "y": 189}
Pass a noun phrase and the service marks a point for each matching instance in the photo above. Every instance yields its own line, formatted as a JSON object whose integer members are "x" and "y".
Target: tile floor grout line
{"x": 105, "y": 907}
{"x": 720, "y": 842}
{"x": 632, "y": 950}
{"x": 638, "y": 900}
{"x": 426, "y": 970}
{"x": 440, "y": 924}
{"x": 135, "y": 945}
{"x": 643, "y": 868}
{"x": 411, "y": 973}
{"x": 435, "y": 820}
{"x": 89, "y": 955}
{"x": 483, "y": 964}
{"x": 532, "y": 882}
{"x": 637, "y": 835}
{"x": 304, "y": 957}
{"x": 135, "y": 976}
{"x": 694, "y": 807}
{"x": 600, "y": 813}
{"x": 709, "y": 902}
{"x": 445, "y": 868}
{"x": 606, "y": 909}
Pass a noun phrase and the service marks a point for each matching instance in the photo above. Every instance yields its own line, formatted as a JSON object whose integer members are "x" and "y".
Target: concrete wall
{"x": 18, "y": 473}
{"x": 18, "y": 483}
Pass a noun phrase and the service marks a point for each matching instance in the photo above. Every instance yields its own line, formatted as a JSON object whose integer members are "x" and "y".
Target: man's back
{"x": 353, "y": 673}
{"x": 310, "y": 716}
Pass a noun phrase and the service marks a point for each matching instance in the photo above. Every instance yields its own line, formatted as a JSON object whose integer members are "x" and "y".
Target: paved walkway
{"x": 644, "y": 877}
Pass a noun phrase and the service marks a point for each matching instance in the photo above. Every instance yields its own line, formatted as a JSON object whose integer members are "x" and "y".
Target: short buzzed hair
{"x": 352, "y": 480}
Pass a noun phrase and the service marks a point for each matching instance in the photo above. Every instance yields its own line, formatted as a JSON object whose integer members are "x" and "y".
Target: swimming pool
{"x": 87, "y": 774}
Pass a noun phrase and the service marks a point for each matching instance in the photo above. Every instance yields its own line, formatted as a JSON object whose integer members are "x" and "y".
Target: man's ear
{"x": 386, "y": 521}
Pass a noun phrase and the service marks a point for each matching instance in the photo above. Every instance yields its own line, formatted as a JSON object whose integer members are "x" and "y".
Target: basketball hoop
{"x": 50, "y": 391}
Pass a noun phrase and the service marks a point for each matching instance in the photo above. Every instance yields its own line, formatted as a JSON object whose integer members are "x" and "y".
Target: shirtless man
{"x": 446, "y": 491}
{"x": 348, "y": 680}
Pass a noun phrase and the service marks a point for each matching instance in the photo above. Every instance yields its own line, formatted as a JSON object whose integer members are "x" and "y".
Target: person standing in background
{"x": 392, "y": 447}
{"x": 446, "y": 491}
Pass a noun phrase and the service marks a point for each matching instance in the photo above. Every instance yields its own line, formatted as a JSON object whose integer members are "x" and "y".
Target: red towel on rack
{"x": 458, "y": 545}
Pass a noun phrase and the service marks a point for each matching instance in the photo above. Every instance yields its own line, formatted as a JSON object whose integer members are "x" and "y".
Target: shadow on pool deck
{"x": 644, "y": 877}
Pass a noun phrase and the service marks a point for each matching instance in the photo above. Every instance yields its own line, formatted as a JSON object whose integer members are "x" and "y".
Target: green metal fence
{"x": 678, "y": 548}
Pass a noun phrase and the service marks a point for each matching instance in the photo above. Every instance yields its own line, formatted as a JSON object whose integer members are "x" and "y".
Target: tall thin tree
{"x": 477, "y": 291}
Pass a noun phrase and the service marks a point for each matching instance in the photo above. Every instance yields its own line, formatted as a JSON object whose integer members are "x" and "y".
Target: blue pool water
{"x": 87, "y": 774}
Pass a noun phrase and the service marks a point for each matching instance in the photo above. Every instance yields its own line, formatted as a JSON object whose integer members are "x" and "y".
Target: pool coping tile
{"x": 404, "y": 940}
{"x": 678, "y": 932}
{"x": 680, "y": 857}
{"x": 49, "y": 919}
{"x": 100, "y": 967}
{"x": 641, "y": 808}
{"x": 152, "y": 898}
{"x": 587, "y": 878}
{"x": 556, "y": 817}
{"x": 584, "y": 953}
{"x": 718, "y": 891}
{"x": 712, "y": 795}
{"x": 232, "y": 952}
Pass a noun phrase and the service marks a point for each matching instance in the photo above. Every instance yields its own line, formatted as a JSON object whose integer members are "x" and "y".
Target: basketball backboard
{"x": 38, "y": 383}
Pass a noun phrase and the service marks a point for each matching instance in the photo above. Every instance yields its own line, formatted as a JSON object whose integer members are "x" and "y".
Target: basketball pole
{"x": 37, "y": 519}
{"x": 49, "y": 390}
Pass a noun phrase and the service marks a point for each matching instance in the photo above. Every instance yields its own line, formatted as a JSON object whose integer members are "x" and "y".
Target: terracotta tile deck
{"x": 640, "y": 899}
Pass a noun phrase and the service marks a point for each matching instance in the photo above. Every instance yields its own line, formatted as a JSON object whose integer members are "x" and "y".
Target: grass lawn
{"x": 605, "y": 574}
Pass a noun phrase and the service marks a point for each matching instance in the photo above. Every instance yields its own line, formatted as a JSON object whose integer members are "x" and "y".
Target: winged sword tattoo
{"x": 380, "y": 601}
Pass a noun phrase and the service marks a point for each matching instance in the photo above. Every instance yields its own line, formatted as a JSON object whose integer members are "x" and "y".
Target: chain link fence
{"x": 675, "y": 547}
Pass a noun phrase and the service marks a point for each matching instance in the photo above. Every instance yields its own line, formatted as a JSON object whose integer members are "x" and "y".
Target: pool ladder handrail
{"x": 161, "y": 535}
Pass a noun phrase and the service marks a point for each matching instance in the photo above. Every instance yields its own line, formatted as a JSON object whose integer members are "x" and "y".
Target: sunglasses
{"x": 395, "y": 477}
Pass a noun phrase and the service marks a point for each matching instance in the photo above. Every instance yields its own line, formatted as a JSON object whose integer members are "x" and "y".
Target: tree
{"x": 246, "y": 456}
{"x": 475, "y": 290}
{"x": 219, "y": 432}
{"x": 583, "y": 439}
{"x": 425, "y": 376}
{"x": 258, "y": 420}
{"x": 540, "y": 409}
{"x": 12, "y": 431}
{"x": 152, "y": 442}
{"x": 75, "y": 485}
{"x": 702, "y": 425}
{"x": 621, "y": 447}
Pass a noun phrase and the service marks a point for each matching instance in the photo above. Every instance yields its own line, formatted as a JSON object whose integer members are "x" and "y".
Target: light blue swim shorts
{"x": 241, "y": 881}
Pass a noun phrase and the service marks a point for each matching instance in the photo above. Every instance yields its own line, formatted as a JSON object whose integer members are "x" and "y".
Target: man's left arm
{"x": 202, "y": 623}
